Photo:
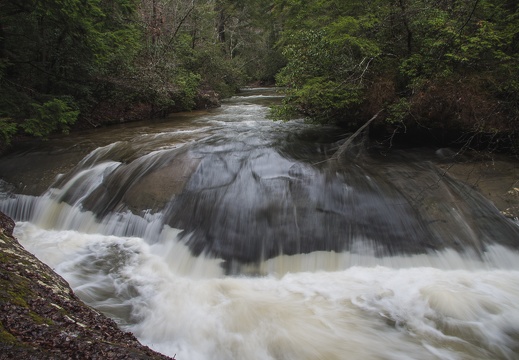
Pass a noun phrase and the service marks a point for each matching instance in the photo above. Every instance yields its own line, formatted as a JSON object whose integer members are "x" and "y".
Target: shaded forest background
{"x": 441, "y": 71}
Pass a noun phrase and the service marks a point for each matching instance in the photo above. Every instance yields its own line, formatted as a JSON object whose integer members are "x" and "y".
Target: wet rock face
{"x": 6, "y": 225}
{"x": 41, "y": 318}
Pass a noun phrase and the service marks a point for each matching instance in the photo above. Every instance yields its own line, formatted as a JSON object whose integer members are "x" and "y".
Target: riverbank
{"x": 41, "y": 318}
{"x": 108, "y": 113}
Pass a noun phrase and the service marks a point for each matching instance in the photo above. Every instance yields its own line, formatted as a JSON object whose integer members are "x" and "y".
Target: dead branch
{"x": 340, "y": 151}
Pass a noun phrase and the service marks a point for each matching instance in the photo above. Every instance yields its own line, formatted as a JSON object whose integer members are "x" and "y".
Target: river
{"x": 222, "y": 234}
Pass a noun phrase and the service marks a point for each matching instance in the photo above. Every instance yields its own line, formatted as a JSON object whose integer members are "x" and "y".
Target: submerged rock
{"x": 41, "y": 318}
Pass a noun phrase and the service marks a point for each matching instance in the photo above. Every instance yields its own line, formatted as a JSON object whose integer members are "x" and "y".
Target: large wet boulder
{"x": 41, "y": 318}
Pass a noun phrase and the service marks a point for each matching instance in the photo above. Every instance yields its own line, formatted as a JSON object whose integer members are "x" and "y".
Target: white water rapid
{"x": 129, "y": 256}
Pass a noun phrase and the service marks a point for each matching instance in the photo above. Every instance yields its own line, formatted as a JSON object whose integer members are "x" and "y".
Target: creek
{"x": 222, "y": 234}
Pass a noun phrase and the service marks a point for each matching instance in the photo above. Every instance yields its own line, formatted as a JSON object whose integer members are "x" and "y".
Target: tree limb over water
{"x": 338, "y": 155}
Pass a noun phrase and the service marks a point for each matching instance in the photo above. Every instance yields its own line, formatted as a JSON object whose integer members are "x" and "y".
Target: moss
{"x": 17, "y": 298}
{"x": 16, "y": 291}
{"x": 6, "y": 337}
{"x": 38, "y": 319}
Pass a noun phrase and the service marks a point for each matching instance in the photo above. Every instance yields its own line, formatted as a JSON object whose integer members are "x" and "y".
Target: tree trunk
{"x": 220, "y": 21}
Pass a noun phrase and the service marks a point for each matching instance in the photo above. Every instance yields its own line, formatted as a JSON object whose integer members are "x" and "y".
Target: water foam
{"x": 455, "y": 307}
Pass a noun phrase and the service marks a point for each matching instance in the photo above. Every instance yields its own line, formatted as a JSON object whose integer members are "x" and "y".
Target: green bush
{"x": 7, "y": 130}
{"x": 51, "y": 116}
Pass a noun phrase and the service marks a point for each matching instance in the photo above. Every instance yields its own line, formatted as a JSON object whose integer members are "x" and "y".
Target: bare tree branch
{"x": 338, "y": 154}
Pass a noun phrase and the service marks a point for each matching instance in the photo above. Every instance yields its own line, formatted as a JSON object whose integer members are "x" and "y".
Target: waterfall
{"x": 225, "y": 235}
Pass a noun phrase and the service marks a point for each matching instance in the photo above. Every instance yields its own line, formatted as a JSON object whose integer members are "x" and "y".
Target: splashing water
{"x": 451, "y": 308}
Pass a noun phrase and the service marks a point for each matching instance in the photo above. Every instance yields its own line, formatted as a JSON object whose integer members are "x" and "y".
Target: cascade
{"x": 226, "y": 235}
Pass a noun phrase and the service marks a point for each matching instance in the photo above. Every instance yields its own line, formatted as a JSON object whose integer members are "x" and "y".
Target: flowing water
{"x": 225, "y": 235}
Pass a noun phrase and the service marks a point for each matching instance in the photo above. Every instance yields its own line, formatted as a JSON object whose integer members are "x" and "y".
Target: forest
{"x": 439, "y": 71}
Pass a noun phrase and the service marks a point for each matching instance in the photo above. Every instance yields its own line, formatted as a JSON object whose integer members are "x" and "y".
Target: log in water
{"x": 225, "y": 235}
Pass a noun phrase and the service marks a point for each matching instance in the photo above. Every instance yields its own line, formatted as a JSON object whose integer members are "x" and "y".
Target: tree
{"x": 448, "y": 65}
{"x": 55, "y": 55}
{"x": 207, "y": 45}
{"x": 326, "y": 74}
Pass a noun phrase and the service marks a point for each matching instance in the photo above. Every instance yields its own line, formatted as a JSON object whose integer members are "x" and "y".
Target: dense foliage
{"x": 100, "y": 61}
{"x": 53, "y": 55}
{"x": 446, "y": 66}
{"x": 430, "y": 64}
